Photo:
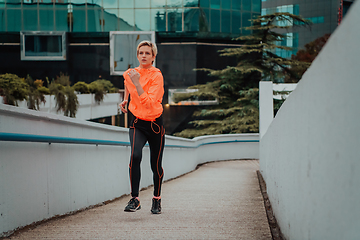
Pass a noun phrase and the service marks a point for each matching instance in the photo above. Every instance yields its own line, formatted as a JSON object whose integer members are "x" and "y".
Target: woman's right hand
{"x": 123, "y": 105}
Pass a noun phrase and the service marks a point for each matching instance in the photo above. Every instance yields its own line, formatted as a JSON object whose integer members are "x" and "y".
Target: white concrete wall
{"x": 88, "y": 108}
{"x": 310, "y": 155}
{"x": 39, "y": 181}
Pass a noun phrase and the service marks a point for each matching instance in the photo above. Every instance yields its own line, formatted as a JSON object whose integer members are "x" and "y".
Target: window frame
{"x": 62, "y": 34}
{"x": 112, "y": 38}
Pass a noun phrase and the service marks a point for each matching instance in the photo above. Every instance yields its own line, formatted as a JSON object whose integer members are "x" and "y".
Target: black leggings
{"x": 140, "y": 132}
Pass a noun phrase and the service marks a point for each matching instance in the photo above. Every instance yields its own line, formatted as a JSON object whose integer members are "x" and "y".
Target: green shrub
{"x": 81, "y": 87}
{"x": 13, "y": 89}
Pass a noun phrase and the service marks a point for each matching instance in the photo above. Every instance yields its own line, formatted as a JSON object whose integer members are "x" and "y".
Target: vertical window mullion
{"x": 38, "y": 16}
{"x": 22, "y": 16}
{"x": 86, "y": 17}
{"x": 54, "y": 16}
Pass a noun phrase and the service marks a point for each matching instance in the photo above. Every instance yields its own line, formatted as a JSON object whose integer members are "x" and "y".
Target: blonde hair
{"x": 147, "y": 43}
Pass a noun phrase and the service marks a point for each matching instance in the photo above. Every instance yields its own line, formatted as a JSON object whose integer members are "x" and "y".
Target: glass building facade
{"x": 322, "y": 13}
{"x": 216, "y": 16}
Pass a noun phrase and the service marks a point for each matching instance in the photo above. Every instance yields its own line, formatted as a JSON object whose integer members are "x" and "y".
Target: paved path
{"x": 220, "y": 200}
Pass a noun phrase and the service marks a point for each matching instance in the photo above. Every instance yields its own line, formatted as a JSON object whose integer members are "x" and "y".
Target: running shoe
{"x": 156, "y": 206}
{"x": 133, "y": 205}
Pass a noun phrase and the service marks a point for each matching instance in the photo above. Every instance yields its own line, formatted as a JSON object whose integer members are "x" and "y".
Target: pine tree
{"x": 237, "y": 86}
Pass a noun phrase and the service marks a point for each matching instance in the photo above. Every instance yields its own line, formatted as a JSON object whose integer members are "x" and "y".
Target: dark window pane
{"x": 14, "y": 21}
{"x": 236, "y": 4}
{"x": 43, "y": 46}
{"x": 226, "y": 4}
{"x": 215, "y": 4}
{"x": 93, "y": 18}
{"x": 110, "y": 20}
{"x": 236, "y": 22}
{"x": 30, "y": 18}
{"x": 191, "y": 20}
{"x": 204, "y": 3}
{"x": 158, "y": 20}
{"x": 2, "y": 20}
{"x": 61, "y": 20}
{"x": 256, "y": 6}
{"x": 79, "y": 19}
{"x": 174, "y": 20}
{"x": 225, "y": 21}
{"x": 246, "y": 17}
{"x": 204, "y": 20}
{"x": 246, "y": 5}
{"x": 215, "y": 21}
{"x": 46, "y": 18}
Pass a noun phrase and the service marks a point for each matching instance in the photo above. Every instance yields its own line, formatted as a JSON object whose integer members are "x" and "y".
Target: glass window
{"x": 94, "y": 2}
{"x": 2, "y": 20}
{"x": 30, "y": 18}
{"x": 225, "y": 21}
{"x": 215, "y": 21}
{"x": 296, "y": 9}
{"x": 205, "y": 3}
{"x": 14, "y": 20}
{"x": 174, "y": 3}
{"x": 94, "y": 18}
{"x": 191, "y": 3}
{"x": 256, "y": 6}
{"x": 236, "y": 5}
{"x": 158, "y": 3}
{"x": 226, "y": 4}
{"x": 126, "y": 4}
{"x": 142, "y": 19}
{"x": 43, "y": 46}
{"x": 110, "y": 4}
{"x": 77, "y": 1}
{"x": 215, "y": 4}
{"x": 191, "y": 20}
{"x": 127, "y": 20}
{"x": 246, "y": 5}
{"x": 246, "y": 17}
{"x": 61, "y": 19}
{"x": 174, "y": 17}
{"x": 78, "y": 18}
{"x": 111, "y": 20}
{"x": 204, "y": 20}
{"x": 142, "y": 3}
{"x": 236, "y": 22}
{"x": 158, "y": 20}
{"x": 46, "y": 16}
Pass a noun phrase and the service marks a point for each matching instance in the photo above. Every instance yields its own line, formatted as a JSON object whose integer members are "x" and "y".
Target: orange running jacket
{"x": 148, "y": 105}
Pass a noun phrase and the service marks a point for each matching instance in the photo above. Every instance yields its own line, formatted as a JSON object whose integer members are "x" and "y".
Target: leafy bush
{"x": 35, "y": 97}
{"x": 81, "y": 87}
{"x": 13, "y": 89}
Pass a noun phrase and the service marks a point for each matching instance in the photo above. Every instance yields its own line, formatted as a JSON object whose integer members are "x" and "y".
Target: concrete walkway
{"x": 220, "y": 200}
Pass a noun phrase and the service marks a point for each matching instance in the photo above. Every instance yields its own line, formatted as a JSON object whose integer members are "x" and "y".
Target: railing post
{"x": 266, "y": 108}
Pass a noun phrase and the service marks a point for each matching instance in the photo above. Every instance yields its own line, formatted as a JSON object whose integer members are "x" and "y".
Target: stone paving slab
{"x": 220, "y": 200}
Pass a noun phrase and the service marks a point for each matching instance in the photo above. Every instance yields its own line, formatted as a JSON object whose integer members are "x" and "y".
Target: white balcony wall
{"x": 88, "y": 108}
{"x": 40, "y": 180}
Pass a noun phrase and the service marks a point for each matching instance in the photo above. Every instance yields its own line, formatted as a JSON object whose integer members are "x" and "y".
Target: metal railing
{"x": 18, "y": 137}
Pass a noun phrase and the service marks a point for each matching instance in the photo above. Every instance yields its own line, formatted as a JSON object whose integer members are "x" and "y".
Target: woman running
{"x": 145, "y": 85}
